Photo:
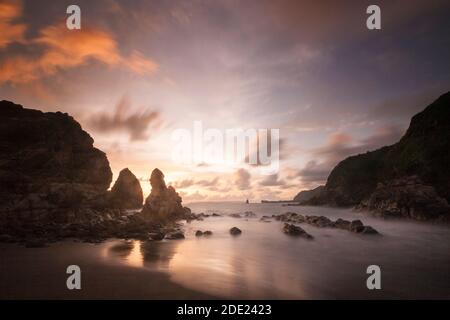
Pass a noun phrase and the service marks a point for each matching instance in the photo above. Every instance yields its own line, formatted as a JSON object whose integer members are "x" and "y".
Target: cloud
{"x": 11, "y": 32}
{"x": 183, "y": 184}
{"x": 65, "y": 49}
{"x": 208, "y": 183}
{"x": 315, "y": 172}
{"x": 271, "y": 181}
{"x": 140, "y": 64}
{"x": 196, "y": 196}
{"x": 135, "y": 124}
{"x": 242, "y": 179}
{"x": 340, "y": 146}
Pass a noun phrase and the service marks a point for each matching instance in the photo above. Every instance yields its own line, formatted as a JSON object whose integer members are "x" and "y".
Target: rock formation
{"x": 47, "y": 162}
{"x": 306, "y": 195}
{"x": 406, "y": 197}
{"x": 293, "y": 230}
{"x": 126, "y": 192}
{"x": 163, "y": 203}
{"x": 289, "y": 218}
{"x": 235, "y": 231}
{"x": 410, "y": 178}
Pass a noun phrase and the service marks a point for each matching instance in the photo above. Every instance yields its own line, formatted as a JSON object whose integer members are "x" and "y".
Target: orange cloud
{"x": 10, "y": 31}
{"x": 70, "y": 48}
{"x": 339, "y": 138}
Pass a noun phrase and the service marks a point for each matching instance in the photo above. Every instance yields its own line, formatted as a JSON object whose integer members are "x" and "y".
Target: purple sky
{"x": 137, "y": 70}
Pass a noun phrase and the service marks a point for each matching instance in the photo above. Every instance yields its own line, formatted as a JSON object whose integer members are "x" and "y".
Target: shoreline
{"x": 29, "y": 275}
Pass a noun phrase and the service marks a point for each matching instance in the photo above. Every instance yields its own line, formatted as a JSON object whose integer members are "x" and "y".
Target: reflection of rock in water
{"x": 121, "y": 249}
{"x": 158, "y": 254}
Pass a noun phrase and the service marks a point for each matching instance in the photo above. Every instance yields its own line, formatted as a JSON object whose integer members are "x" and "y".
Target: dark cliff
{"x": 47, "y": 155}
{"x": 422, "y": 155}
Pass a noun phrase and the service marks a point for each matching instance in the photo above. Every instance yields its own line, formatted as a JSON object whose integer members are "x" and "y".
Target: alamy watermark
{"x": 231, "y": 147}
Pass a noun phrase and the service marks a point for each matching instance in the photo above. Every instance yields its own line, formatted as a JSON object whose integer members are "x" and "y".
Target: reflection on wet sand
{"x": 137, "y": 253}
{"x": 233, "y": 269}
{"x": 264, "y": 263}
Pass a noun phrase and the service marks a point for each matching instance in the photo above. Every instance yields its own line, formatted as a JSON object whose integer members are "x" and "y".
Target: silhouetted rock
{"x": 126, "y": 192}
{"x": 319, "y": 221}
{"x": 322, "y": 222}
{"x": 164, "y": 203}
{"x": 175, "y": 235}
{"x": 48, "y": 164}
{"x": 35, "y": 243}
{"x": 356, "y": 226}
{"x": 293, "y": 230}
{"x": 307, "y": 195}
{"x": 369, "y": 230}
{"x": 342, "y": 224}
{"x": 422, "y": 152}
{"x": 157, "y": 236}
{"x": 235, "y": 231}
{"x": 406, "y": 197}
{"x": 206, "y": 233}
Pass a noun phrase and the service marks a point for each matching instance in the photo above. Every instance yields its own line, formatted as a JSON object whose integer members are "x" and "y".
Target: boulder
{"x": 198, "y": 233}
{"x": 293, "y": 230}
{"x": 126, "y": 192}
{"x": 369, "y": 230}
{"x": 342, "y": 224}
{"x": 176, "y": 235}
{"x": 356, "y": 226}
{"x": 319, "y": 221}
{"x": 235, "y": 231}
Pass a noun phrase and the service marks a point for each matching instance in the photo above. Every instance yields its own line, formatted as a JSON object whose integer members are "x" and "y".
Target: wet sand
{"x": 261, "y": 263}
{"x": 36, "y": 274}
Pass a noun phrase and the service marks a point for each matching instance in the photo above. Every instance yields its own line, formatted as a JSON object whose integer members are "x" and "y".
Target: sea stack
{"x": 126, "y": 192}
{"x": 164, "y": 203}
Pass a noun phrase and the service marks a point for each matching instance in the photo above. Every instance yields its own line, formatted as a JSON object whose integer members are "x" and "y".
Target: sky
{"x": 139, "y": 70}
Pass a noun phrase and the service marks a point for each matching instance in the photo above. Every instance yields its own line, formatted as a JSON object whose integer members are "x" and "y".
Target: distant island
{"x": 278, "y": 201}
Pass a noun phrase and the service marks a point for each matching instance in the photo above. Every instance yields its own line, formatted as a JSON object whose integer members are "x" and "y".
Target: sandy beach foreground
{"x": 36, "y": 274}
{"x": 261, "y": 263}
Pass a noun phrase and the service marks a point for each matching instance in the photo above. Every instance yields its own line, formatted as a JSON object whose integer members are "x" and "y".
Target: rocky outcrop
{"x": 355, "y": 226}
{"x": 235, "y": 231}
{"x": 380, "y": 180}
{"x": 47, "y": 163}
{"x": 53, "y": 185}
{"x": 126, "y": 192}
{"x": 164, "y": 203}
{"x": 293, "y": 230}
{"x": 407, "y": 197}
{"x": 306, "y": 195}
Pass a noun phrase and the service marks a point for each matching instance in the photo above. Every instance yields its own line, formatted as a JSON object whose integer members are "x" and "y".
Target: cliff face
{"x": 47, "y": 161}
{"x": 306, "y": 195}
{"x": 126, "y": 192}
{"x": 422, "y": 155}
